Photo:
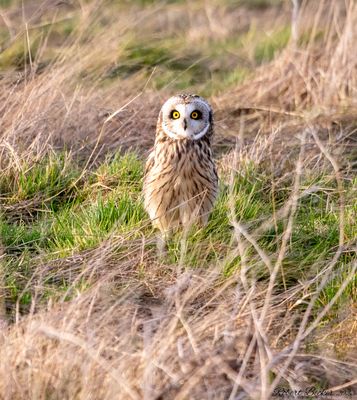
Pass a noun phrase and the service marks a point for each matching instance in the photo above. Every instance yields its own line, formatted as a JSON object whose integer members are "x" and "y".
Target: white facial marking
{"x": 201, "y": 134}
{"x": 195, "y": 129}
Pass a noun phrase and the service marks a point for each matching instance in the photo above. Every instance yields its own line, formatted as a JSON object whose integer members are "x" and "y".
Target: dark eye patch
{"x": 174, "y": 114}
{"x": 196, "y": 114}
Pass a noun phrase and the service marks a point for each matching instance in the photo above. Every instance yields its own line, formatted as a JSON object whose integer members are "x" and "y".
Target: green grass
{"x": 266, "y": 48}
{"x": 45, "y": 177}
{"x": 19, "y": 53}
{"x": 5, "y": 3}
{"x": 75, "y": 212}
{"x": 84, "y": 226}
{"x": 19, "y": 236}
{"x": 208, "y": 66}
{"x": 256, "y": 4}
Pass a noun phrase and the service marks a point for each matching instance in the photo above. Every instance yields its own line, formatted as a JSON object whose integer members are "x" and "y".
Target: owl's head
{"x": 186, "y": 116}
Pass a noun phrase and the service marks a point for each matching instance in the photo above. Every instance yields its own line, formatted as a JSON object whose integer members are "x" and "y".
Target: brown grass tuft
{"x": 127, "y": 325}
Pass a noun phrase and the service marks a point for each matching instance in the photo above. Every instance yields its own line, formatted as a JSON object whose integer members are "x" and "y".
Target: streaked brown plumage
{"x": 181, "y": 183}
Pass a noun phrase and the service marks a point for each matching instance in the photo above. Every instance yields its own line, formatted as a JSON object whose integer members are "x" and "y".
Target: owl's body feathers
{"x": 181, "y": 183}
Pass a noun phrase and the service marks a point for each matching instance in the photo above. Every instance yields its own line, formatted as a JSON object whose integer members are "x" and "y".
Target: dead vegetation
{"x": 110, "y": 320}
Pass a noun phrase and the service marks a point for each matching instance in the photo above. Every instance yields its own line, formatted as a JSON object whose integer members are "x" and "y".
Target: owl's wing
{"x": 215, "y": 173}
{"x": 149, "y": 163}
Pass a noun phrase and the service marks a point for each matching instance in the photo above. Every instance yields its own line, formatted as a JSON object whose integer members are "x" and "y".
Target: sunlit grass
{"x": 80, "y": 273}
{"x": 69, "y": 218}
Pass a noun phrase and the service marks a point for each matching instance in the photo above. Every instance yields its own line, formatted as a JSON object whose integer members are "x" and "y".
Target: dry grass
{"x": 111, "y": 320}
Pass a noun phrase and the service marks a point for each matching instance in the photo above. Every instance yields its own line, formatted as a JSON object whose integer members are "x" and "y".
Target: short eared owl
{"x": 181, "y": 184}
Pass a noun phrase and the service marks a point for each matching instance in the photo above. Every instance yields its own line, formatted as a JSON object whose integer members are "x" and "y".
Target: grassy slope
{"x": 72, "y": 222}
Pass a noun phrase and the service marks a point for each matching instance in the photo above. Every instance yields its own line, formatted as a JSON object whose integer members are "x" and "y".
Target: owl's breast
{"x": 181, "y": 179}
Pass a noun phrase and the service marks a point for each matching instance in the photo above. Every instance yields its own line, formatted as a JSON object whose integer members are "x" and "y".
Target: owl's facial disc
{"x": 182, "y": 120}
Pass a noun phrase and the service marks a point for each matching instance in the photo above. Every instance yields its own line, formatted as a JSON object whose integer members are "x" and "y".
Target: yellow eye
{"x": 175, "y": 114}
{"x": 195, "y": 115}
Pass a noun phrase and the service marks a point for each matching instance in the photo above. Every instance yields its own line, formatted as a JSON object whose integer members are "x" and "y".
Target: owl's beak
{"x": 184, "y": 124}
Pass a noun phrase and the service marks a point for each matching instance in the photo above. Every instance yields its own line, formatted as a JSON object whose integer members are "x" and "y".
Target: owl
{"x": 181, "y": 183}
